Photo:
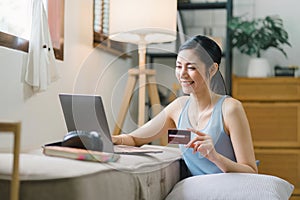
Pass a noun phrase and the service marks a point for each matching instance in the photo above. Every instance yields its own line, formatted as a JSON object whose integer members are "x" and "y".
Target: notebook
{"x": 86, "y": 112}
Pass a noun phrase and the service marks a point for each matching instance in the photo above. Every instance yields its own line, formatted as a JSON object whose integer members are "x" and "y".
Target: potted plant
{"x": 251, "y": 37}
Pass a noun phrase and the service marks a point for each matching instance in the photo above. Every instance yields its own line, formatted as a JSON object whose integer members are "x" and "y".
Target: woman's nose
{"x": 183, "y": 72}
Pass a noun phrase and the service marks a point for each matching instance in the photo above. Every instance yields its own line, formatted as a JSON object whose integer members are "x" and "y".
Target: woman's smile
{"x": 186, "y": 83}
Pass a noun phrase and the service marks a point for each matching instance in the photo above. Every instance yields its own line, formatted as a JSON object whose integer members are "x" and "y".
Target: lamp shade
{"x": 142, "y": 21}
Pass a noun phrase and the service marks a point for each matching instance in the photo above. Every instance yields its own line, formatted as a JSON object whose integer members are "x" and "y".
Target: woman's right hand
{"x": 123, "y": 139}
{"x": 116, "y": 139}
{"x": 203, "y": 144}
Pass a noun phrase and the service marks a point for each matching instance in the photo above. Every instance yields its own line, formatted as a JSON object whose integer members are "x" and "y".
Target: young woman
{"x": 220, "y": 134}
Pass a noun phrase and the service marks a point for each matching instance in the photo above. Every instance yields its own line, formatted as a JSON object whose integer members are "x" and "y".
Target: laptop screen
{"x": 86, "y": 113}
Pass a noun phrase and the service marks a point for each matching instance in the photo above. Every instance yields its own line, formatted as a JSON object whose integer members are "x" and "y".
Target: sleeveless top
{"x": 196, "y": 163}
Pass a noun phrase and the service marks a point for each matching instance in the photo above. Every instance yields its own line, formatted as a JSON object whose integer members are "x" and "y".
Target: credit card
{"x": 177, "y": 136}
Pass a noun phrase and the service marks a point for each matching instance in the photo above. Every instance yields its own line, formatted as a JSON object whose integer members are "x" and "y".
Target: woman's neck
{"x": 202, "y": 102}
{"x": 200, "y": 109}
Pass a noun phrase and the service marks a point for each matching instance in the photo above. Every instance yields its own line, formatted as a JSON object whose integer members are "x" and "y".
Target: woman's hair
{"x": 209, "y": 53}
{"x": 207, "y": 49}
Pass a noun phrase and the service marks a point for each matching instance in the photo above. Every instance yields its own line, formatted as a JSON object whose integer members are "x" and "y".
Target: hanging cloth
{"x": 41, "y": 68}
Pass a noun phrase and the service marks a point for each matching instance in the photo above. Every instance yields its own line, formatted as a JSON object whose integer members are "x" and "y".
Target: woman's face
{"x": 190, "y": 72}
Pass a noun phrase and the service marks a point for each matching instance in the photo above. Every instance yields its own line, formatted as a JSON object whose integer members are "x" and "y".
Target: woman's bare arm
{"x": 236, "y": 123}
{"x": 155, "y": 128}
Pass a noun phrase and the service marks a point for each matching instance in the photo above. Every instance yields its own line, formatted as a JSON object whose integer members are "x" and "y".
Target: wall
{"x": 201, "y": 21}
{"x": 84, "y": 70}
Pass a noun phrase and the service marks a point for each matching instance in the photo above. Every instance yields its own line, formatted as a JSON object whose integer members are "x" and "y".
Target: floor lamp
{"x": 141, "y": 22}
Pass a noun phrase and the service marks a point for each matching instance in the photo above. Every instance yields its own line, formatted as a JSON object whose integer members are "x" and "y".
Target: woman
{"x": 220, "y": 134}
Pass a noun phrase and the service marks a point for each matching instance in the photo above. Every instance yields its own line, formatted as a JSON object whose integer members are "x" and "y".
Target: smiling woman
{"x": 15, "y": 26}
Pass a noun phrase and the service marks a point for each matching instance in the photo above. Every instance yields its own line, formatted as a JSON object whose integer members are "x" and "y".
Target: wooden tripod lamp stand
{"x": 141, "y": 22}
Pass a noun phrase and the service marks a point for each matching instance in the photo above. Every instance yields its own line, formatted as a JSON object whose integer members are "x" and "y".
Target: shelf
{"x": 169, "y": 55}
{"x": 227, "y": 54}
{"x": 192, "y": 6}
{"x": 162, "y": 55}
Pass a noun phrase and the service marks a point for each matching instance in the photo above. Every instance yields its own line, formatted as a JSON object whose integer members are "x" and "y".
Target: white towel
{"x": 41, "y": 68}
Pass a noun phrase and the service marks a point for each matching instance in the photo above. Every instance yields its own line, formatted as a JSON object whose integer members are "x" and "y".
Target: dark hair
{"x": 206, "y": 48}
{"x": 209, "y": 52}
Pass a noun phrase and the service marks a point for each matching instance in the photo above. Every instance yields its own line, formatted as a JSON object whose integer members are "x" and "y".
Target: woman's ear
{"x": 213, "y": 70}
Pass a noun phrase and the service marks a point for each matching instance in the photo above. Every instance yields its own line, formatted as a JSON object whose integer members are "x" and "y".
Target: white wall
{"x": 84, "y": 70}
{"x": 288, "y": 11}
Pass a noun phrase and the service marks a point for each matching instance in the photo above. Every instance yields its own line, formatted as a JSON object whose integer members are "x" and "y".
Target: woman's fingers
{"x": 196, "y": 132}
{"x": 204, "y": 149}
{"x": 191, "y": 144}
{"x": 196, "y": 146}
{"x": 202, "y": 143}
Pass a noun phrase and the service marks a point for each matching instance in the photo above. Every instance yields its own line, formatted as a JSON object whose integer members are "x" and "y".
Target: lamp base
{"x": 150, "y": 82}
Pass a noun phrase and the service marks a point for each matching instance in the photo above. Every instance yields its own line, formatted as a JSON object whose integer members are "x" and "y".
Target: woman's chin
{"x": 187, "y": 90}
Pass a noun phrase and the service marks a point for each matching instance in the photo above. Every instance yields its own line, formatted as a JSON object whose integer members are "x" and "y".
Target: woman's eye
{"x": 191, "y": 68}
{"x": 178, "y": 67}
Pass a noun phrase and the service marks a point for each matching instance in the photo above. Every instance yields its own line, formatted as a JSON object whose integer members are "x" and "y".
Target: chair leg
{"x": 15, "y": 128}
{"x": 15, "y": 185}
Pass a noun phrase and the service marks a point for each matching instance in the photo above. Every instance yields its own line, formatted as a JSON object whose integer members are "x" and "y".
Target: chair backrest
{"x": 15, "y": 128}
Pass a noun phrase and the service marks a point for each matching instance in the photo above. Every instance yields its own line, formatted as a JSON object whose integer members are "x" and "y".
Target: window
{"x": 101, "y": 29}
{"x": 14, "y": 23}
{"x": 101, "y": 20}
{"x": 13, "y": 32}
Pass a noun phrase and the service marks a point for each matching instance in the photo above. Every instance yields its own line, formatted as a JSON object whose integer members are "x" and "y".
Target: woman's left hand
{"x": 203, "y": 143}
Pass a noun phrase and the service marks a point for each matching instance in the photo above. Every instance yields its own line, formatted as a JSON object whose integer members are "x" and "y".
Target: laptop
{"x": 86, "y": 112}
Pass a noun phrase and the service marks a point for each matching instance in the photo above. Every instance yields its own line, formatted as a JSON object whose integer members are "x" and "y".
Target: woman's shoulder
{"x": 176, "y": 107}
{"x": 231, "y": 104}
{"x": 177, "y": 104}
{"x": 181, "y": 101}
{"x": 232, "y": 100}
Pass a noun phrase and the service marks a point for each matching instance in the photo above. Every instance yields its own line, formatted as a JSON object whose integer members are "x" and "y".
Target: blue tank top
{"x": 196, "y": 163}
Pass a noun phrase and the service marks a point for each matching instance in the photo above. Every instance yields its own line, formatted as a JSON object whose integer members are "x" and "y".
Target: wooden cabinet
{"x": 274, "y": 124}
{"x": 272, "y": 106}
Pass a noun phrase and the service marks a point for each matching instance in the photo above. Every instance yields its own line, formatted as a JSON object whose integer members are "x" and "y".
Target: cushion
{"x": 232, "y": 186}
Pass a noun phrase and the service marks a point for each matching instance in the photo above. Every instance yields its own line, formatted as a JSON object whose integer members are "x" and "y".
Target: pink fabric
{"x": 54, "y": 19}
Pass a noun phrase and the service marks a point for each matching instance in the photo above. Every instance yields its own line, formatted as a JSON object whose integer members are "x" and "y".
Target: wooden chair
{"x": 15, "y": 128}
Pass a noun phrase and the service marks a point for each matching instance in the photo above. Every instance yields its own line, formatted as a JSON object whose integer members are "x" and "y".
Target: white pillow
{"x": 232, "y": 186}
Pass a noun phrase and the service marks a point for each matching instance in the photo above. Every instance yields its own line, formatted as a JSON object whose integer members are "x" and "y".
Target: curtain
{"x": 41, "y": 68}
{"x": 54, "y": 18}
